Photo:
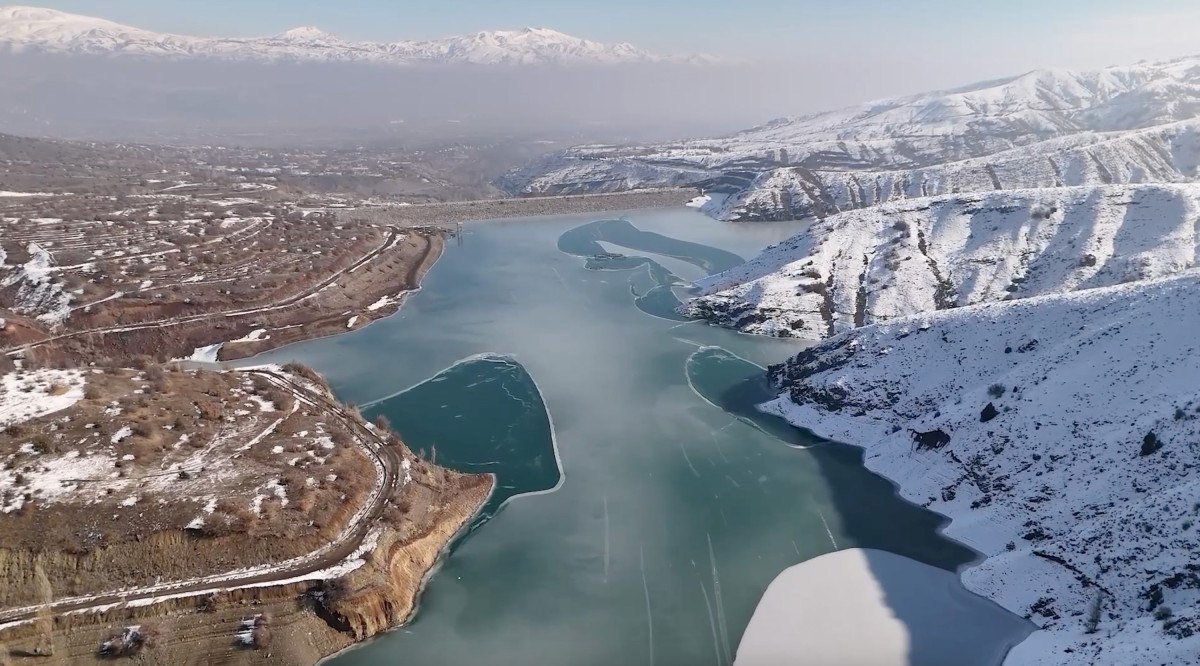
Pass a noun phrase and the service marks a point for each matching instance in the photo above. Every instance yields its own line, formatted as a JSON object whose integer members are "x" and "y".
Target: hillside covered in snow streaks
{"x": 865, "y": 266}
{"x": 1060, "y": 434}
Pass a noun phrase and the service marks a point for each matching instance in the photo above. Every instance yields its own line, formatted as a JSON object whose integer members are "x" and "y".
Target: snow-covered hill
{"x": 1117, "y": 125}
{"x": 31, "y": 29}
{"x": 1167, "y": 153}
{"x": 1062, "y": 436}
{"x": 901, "y": 258}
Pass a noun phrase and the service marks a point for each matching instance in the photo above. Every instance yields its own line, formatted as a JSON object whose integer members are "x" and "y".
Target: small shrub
{"x": 996, "y": 390}
{"x": 1150, "y": 444}
{"x": 262, "y": 637}
{"x": 1093, "y": 619}
{"x": 1163, "y": 613}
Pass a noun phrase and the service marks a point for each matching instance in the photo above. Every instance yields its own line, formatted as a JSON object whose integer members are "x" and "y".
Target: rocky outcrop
{"x": 383, "y": 594}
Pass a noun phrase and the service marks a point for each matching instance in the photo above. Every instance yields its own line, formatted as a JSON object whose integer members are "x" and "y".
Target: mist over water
{"x": 675, "y": 510}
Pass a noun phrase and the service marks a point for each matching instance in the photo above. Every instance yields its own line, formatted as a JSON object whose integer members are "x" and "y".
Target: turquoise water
{"x": 483, "y": 415}
{"x": 676, "y": 503}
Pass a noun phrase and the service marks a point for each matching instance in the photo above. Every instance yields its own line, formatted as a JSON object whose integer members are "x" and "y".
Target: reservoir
{"x": 643, "y": 506}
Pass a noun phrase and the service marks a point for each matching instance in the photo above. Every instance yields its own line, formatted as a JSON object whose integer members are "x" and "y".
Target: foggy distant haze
{"x": 843, "y": 52}
{"x": 197, "y": 100}
{"x": 795, "y": 57}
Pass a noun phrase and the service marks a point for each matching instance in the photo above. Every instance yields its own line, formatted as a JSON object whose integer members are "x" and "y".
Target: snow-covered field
{"x": 29, "y": 395}
{"x": 918, "y": 255}
{"x": 1060, "y": 434}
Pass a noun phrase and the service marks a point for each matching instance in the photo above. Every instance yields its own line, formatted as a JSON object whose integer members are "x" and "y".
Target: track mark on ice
{"x": 606, "y": 538}
{"x": 689, "y": 460}
{"x": 646, "y": 589}
{"x": 716, "y": 576}
{"x": 827, "y": 530}
{"x": 712, "y": 623}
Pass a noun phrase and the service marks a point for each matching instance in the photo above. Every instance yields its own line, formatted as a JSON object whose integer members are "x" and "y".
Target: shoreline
{"x": 190, "y": 635}
{"x": 464, "y": 529}
{"x": 837, "y": 429}
{"x": 484, "y": 210}
{"x": 336, "y": 326}
{"x": 396, "y": 575}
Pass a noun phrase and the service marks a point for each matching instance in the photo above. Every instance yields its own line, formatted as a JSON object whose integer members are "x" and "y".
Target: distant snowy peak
{"x": 999, "y": 134}
{"x": 530, "y": 46}
{"x": 31, "y": 29}
{"x": 306, "y": 33}
{"x": 1045, "y": 101}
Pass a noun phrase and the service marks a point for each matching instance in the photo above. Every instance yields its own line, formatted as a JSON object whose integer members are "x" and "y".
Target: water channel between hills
{"x": 676, "y": 505}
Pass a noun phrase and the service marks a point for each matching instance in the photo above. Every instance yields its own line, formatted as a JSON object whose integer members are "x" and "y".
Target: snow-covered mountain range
{"x": 1060, "y": 434}
{"x": 1117, "y": 125}
{"x": 1006, "y": 280}
{"x": 31, "y": 29}
{"x": 917, "y": 255}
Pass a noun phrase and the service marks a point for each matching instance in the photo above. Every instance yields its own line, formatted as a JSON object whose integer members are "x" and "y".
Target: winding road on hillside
{"x": 352, "y": 537}
{"x": 395, "y": 234}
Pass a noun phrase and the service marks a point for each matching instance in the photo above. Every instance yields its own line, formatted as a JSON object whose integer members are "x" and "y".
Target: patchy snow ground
{"x": 51, "y": 478}
{"x": 919, "y": 255}
{"x": 28, "y": 395}
{"x": 38, "y": 293}
{"x": 384, "y": 301}
{"x": 1071, "y": 432}
{"x": 207, "y": 354}
{"x": 256, "y": 334}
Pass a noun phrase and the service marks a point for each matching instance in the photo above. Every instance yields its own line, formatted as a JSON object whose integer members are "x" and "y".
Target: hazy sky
{"x": 841, "y": 51}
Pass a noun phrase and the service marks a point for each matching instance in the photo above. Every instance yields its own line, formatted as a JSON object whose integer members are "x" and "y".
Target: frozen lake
{"x": 644, "y": 507}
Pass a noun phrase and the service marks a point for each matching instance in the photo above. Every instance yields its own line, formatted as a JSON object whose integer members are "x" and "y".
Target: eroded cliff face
{"x": 307, "y": 622}
{"x": 383, "y": 594}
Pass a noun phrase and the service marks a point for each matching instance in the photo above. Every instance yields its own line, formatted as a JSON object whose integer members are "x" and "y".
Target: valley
{"x": 337, "y": 346}
{"x": 1002, "y": 299}
{"x": 150, "y": 497}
